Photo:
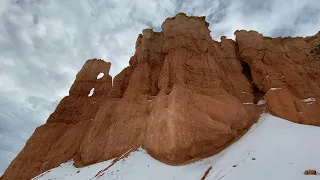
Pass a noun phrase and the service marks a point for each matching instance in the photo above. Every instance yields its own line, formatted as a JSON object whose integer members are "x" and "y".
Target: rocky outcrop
{"x": 60, "y": 138}
{"x": 183, "y": 97}
{"x": 177, "y": 88}
{"x": 310, "y": 172}
{"x": 288, "y": 71}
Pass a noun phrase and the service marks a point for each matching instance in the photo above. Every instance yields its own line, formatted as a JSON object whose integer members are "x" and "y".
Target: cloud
{"x": 271, "y": 18}
{"x": 43, "y": 44}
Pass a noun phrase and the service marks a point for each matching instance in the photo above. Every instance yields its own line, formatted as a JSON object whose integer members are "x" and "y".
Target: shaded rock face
{"x": 183, "y": 97}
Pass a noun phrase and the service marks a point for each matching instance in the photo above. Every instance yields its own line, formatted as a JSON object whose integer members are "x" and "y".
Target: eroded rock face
{"x": 60, "y": 138}
{"x": 289, "y": 66}
{"x": 183, "y": 97}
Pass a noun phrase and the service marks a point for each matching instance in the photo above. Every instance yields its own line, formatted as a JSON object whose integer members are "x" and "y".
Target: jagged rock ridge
{"x": 183, "y": 97}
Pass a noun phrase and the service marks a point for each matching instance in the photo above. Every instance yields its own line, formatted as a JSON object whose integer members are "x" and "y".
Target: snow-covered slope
{"x": 272, "y": 149}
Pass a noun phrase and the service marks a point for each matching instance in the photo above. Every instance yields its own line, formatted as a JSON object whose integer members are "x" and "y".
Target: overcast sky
{"x": 44, "y": 43}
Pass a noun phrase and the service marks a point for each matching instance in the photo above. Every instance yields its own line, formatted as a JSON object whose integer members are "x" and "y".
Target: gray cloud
{"x": 44, "y": 43}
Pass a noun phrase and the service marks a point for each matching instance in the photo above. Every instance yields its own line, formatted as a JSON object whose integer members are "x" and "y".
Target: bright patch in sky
{"x": 91, "y": 92}
{"x": 100, "y": 75}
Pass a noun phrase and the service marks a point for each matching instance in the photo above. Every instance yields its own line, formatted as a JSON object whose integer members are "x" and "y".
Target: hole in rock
{"x": 258, "y": 95}
{"x": 91, "y": 92}
{"x": 100, "y": 75}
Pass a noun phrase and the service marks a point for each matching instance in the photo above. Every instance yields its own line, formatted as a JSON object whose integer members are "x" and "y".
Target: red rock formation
{"x": 183, "y": 97}
{"x": 310, "y": 172}
{"x": 291, "y": 66}
{"x": 59, "y": 139}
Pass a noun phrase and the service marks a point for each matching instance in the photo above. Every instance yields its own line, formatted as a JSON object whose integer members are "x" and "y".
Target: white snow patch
{"x": 308, "y": 100}
{"x": 273, "y": 89}
{"x": 245, "y": 93}
{"x": 267, "y": 76}
{"x": 91, "y": 92}
{"x": 150, "y": 100}
{"x": 67, "y": 171}
{"x": 247, "y": 103}
{"x": 100, "y": 76}
{"x": 271, "y": 149}
{"x": 261, "y": 102}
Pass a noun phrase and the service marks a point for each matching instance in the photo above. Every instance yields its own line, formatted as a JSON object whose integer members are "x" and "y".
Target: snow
{"x": 308, "y": 100}
{"x": 273, "y": 89}
{"x": 283, "y": 150}
{"x": 91, "y": 92}
{"x": 247, "y": 103}
{"x": 67, "y": 171}
{"x": 261, "y": 102}
{"x": 273, "y": 148}
{"x": 100, "y": 75}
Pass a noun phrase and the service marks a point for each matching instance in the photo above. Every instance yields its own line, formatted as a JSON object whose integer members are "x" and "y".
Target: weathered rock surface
{"x": 291, "y": 66}
{"x": 60, "y": 138}
{"x": 183, "y": 97}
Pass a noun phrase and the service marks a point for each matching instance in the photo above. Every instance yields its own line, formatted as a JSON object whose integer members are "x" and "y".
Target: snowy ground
{"x": 272, "y": 149}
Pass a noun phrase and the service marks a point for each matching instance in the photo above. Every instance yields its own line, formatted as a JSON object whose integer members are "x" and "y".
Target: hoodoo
{"x": 183, "y": 97}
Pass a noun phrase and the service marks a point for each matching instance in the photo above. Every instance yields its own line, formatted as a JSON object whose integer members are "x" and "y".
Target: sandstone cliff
{"x": 183, "y": 97}
{"x": 290, "y": 67}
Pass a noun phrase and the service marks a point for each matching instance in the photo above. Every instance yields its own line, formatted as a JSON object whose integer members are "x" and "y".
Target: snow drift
{"x": 273, "y": 148}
